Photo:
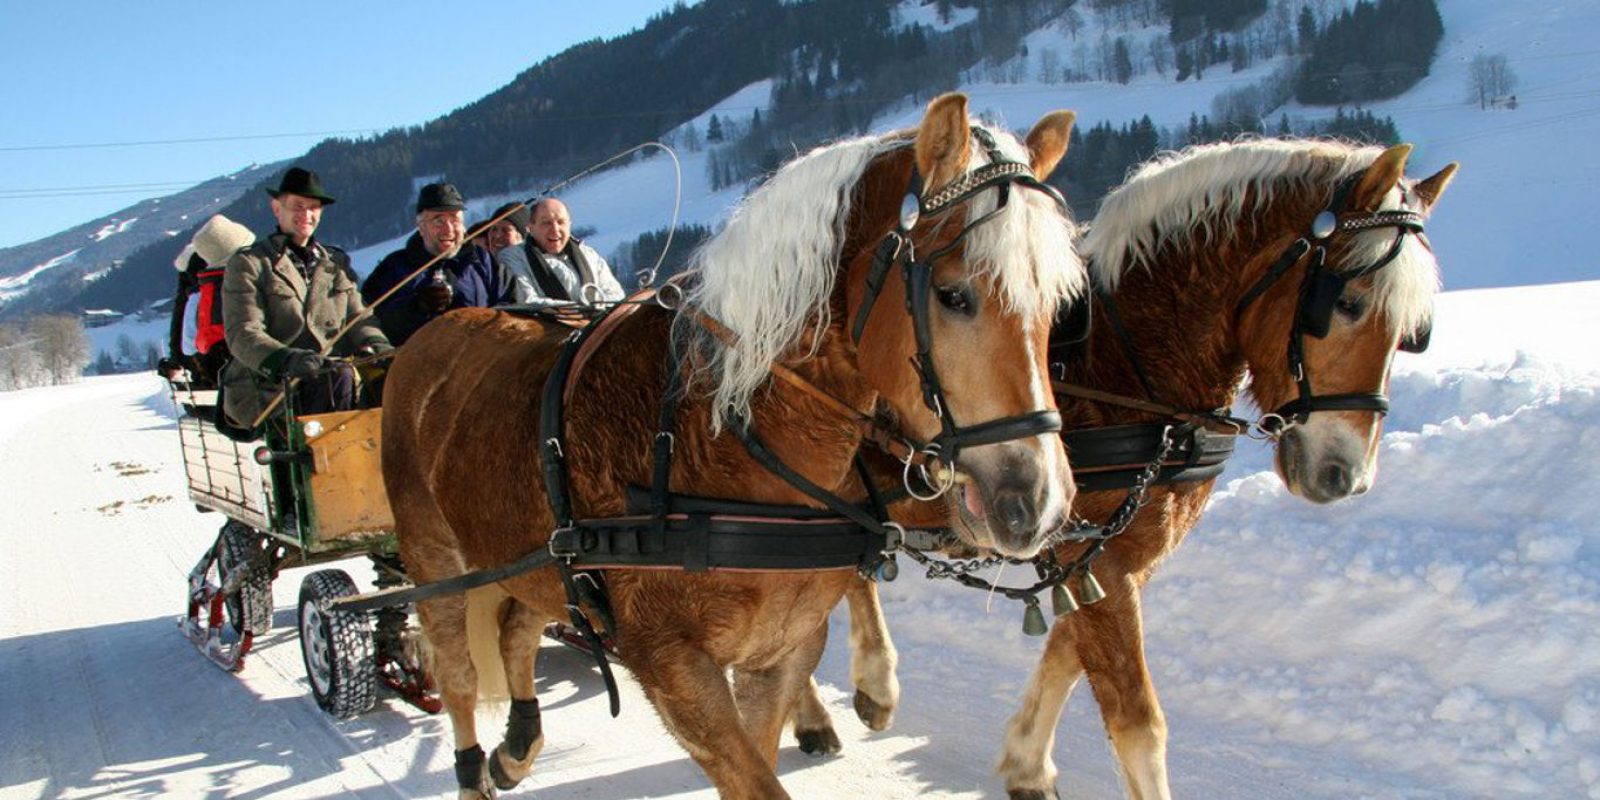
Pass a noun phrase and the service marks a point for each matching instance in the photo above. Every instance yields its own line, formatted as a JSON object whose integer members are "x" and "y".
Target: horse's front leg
{"x": 872, "y": 657}
{"x": 1025, "y": 765}
{"x": 520, "y": 629}
{"x": 767, "y": 697}
{"x": 1110, "y": 637}
{"x": 691, "y": 693}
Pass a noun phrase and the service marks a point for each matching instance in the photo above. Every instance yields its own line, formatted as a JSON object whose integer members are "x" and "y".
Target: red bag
{"x": 208, "y": 316}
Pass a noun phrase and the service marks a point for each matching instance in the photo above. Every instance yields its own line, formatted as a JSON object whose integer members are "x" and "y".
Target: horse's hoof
{"x": 497, "y": 773}
{"x": 876, "y": 717}
{"x": 820, "y": 742}
{"x": 1033, "y": 794}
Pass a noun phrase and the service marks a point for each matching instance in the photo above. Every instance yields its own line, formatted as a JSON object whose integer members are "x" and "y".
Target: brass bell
{"x": 1033, "y": 623}
{"x": 1062, "y": 601}
{"x": 1089, "y": 591}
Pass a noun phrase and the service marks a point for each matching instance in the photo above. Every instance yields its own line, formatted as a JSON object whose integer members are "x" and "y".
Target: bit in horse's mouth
{"x": 972, "y": 506}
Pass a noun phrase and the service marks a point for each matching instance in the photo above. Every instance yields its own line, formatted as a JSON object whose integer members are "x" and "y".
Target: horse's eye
{"x": 956, "y": 298}
{"x": 1350, "y": 306}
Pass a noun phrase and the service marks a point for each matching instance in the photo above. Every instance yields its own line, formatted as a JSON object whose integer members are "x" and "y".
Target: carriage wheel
{"x": 337, "y": 646}
{"x": 250, "y": 608}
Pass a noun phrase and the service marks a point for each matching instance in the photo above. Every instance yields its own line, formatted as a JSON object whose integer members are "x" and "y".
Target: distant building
{"x": 100, "y": 317}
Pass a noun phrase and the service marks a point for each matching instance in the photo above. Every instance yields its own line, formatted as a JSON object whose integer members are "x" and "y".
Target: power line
{"x": 200, "y": 140}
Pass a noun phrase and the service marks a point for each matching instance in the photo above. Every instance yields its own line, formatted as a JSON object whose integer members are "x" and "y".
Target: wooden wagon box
{"x": 347, "y": 476}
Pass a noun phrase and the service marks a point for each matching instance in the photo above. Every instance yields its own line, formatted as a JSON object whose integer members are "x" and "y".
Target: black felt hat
{"x": 303, "y": 182}
{"x": 519, "y": 218}
{"x": 440, "y": 197}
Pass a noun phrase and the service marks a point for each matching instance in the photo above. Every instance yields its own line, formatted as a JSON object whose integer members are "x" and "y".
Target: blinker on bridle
{"x": 896, "y": 248}
{"x": 1319, "y": 294}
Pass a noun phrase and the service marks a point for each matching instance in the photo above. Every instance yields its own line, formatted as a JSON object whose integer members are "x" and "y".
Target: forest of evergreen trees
{"x": 836, "y": 65}
{"x": 1100, "y": 158}
{"x": 1370, "y": 52}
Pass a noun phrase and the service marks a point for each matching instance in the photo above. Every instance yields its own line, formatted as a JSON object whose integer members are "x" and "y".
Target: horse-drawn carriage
{"x": 313, "y": 496}
{"x": 784, "y": 335}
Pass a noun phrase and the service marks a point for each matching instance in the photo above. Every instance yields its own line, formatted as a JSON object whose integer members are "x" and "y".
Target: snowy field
{"x": 1432, "y": 639}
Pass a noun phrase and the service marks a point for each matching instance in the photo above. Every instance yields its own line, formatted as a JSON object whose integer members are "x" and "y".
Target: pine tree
{"x": 714, "y": 129}
{"x": 1306, "y": 28}
{"x": 1123, "y": 64}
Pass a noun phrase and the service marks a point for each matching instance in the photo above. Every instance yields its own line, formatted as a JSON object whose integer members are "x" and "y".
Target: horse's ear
{"x": 1048, "y": 140}
{"x": 1429, "y": 189}
{"x": 942, "y": 140}
{"x": 1380, "y": 178}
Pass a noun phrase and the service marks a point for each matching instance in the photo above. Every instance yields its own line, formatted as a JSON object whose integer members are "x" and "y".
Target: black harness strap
{"x": 1117, "y": 326}
{"x": 1114, "y": 457}
{"x": 582, "y": 588}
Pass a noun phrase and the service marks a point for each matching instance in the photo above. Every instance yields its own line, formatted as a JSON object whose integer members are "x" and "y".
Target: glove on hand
{"x": 435, "y": 298}
{"x": 302, "y": 364}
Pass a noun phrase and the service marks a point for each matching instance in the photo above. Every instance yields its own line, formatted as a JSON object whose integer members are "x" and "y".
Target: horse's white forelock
{"x": 1202, "y": 193}
{"x": 768, "y": 275}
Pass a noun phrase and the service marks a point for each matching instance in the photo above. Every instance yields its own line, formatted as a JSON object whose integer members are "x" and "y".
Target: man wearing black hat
{"x": 285, "y": 299}
{"x": 461, "y": 276}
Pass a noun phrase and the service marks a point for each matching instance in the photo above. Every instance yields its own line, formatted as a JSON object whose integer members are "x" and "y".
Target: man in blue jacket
{"x": 464, "y": 276}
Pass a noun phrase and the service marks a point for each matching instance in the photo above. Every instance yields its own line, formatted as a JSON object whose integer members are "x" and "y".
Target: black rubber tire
{"x": 336, "y": 646}
{"x": 251, "y": 607}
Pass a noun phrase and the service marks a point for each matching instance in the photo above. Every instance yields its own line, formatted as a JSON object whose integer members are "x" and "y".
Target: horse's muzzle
{"x": 1012, "y": 499}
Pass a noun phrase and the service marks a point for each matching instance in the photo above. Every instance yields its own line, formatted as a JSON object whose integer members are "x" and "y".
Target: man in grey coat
{"x": 285, "y": 299}
{"x": 553, "y": 268}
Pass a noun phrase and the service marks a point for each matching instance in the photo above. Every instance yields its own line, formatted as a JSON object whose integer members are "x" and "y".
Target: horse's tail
{"x": 484, "y": 606}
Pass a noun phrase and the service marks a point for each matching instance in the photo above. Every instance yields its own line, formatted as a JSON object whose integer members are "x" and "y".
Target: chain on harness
{"x": 1052, "y": 574}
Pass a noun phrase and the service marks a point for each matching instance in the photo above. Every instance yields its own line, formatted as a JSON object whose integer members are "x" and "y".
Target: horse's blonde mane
{"x": 769, "y": 274}
{"x": 1209, "y": 192}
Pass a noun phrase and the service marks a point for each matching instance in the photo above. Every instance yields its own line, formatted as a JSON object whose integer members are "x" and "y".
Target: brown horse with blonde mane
{"x": 791, "y": 287}
{"x": 1301, "y": 263}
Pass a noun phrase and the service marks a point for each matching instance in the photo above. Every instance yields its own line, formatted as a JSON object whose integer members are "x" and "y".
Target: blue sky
{"x": 116, "y": 75}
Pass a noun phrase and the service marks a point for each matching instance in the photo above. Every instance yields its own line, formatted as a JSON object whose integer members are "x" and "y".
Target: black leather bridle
{"x": 1320, "y": 291}
{"x": 896, "y": 248}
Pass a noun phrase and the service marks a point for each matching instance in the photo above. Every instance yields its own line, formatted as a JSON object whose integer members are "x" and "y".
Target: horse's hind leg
{"x": 813, "y": 725}
{"x": 520, "y": 629}
{"x": 872, "y": 657}
{"x": 691, "y": 693}
{"x": 1026, "y": 766}
{"x": 766, "y": 697}
{"x": 444, "y": 620}
{"x": 1111, "y": 646}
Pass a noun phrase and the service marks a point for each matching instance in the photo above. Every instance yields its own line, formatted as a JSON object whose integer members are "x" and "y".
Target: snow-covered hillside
{"x": 1432, "y": 639}
{"x": 1511, "y": 218}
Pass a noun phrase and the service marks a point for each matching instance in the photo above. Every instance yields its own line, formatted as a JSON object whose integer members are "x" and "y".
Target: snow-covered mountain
{"x": 1510, "y": 219}
{"x": 59, "y": 266}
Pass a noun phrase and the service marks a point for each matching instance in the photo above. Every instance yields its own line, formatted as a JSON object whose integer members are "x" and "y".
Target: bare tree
{"x": 1105, "y": 58}
{"x": 62, "y": 346}
{"x": 1160, "y": 51}
{"x": 1049, "y": 65}
{"x": 1489, "y": 79}
{"x": 127, "y": 351}
{"x": 1073, "y": 22}
{"x": 19, "y": 364}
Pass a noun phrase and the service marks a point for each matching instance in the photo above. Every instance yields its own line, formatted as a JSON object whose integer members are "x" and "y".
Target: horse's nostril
{"x": 1335, "y": 480}
{"x": 1017, "y": 513}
